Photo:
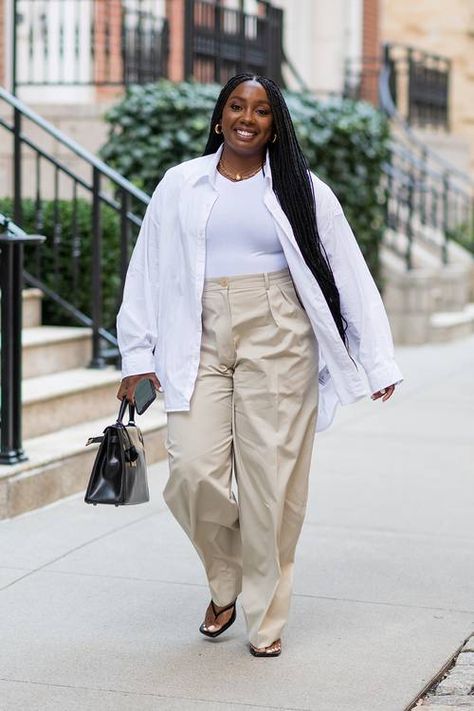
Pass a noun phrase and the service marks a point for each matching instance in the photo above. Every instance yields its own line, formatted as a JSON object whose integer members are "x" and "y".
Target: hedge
{"x": 159, "y": 125}
{"x": 60, "y": 251}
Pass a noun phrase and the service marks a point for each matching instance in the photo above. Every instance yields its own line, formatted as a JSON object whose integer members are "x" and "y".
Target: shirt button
{"x": 224, "y": 282}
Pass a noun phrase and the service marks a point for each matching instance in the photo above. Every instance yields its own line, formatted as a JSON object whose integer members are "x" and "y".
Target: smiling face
{"x": 247, "y": 120}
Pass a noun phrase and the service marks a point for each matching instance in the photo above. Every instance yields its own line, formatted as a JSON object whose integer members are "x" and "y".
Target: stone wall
{"x": 444, "y": 27}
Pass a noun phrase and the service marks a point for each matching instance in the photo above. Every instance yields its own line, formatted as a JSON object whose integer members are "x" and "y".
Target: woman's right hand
{"x": 128, "y": 385}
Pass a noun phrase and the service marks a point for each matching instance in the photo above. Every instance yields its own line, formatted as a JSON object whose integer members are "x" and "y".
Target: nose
{"x": 247, "y": 116}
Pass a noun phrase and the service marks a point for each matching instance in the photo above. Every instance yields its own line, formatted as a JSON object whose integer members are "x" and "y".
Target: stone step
{"x": 452, "y": 283}
{"x": 59, "y": 464}
{"x": 31, "y": 315}
{"x": 64, "y": 399}
{"x": 51, "y": 349}
{"x": 32, "y": 299}
{"x": 448, "y": 325}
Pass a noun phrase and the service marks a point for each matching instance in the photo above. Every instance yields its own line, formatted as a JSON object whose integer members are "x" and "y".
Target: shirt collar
{"x": 209, "y": 171}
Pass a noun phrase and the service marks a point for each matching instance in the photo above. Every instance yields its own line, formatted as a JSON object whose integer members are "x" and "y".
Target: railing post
{"x": 218, "y": 17}
{"x": 471, "y": 225}
{"x": 423, "y": 184}
{"x": 14, "y": 48}
{"x": 17, "y": 191}
{"x": 124, "y": 237}
{"x": 98, "y": 361}
{"x": 408, "y": 253}
{"x": 188, "y": 39}
{"x": 444, "y": 249}
{"x": 11, "y": 283}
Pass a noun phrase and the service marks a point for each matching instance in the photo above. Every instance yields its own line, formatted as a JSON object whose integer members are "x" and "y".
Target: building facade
{"x": 446, "y": 28}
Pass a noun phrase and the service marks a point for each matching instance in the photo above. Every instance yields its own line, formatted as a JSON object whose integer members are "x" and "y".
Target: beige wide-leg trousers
{"x": 253, "y": 412}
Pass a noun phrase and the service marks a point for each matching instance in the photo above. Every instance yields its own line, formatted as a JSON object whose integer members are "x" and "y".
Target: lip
{"x": 246, "y": 136}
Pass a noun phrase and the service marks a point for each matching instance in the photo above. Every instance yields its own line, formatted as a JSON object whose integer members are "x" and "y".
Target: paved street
{"x": 99, "y": 607}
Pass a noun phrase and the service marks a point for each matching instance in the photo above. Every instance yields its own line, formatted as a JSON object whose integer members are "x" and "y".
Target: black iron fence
{"x": 222, "y": 41}
{"x": 361, "y": 78}
{"x": 432, "y": 204}
{"x": 12, "y": 242}
{"x": 419, "y": 85}
{"x": 79, "y": 205}
{"x": 88, "y": 42}
{"x": 427, "y": 197}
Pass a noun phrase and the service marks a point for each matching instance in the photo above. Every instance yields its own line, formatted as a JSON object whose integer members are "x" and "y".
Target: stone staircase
{"x": 64, "y": 403}
{"x": 431, "y": 302}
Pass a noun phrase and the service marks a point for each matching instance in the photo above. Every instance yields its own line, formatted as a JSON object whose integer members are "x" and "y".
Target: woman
{"x": 245, "y": 283}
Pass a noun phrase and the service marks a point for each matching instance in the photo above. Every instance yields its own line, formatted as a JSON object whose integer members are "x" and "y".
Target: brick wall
{"x": 370, "y": 49}
{"x": 108, "y": 64}
{"x": 175, "y": 15}
{"x": 2, "y": 43}
{"x": 444, "y": 27}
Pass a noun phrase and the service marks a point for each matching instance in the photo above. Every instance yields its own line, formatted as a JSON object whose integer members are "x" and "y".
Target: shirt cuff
{"x": 137, "y": 363}
{"x": 379, "y": 378}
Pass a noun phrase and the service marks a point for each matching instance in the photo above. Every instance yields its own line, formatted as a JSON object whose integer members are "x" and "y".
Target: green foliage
{"x": 54, "y": 260}
{"x": 464, "y": 235}
{"x": 159, "y": 125}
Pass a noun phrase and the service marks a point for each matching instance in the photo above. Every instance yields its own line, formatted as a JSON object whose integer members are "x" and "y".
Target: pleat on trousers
{"x": 252, "y": 418}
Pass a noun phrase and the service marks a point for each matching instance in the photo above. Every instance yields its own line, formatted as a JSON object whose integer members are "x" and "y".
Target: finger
{"x": 122, "y": 391}
{"x": 130, "y": 394}
{"x": 156, "y": 382}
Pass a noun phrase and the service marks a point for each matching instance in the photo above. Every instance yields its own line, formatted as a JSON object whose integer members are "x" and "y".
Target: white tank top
{"x": 241, "y": 237}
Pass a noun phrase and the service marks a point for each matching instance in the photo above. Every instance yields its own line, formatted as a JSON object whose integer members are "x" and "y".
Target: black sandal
{"x": 266, "y": 651}
{"x": 203, "y": 629}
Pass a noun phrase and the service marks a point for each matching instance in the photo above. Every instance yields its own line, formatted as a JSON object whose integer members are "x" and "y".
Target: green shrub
{"x": 159, "y": 125}
{"x": 464, "y": 235}
{"x": 53, "y": 260}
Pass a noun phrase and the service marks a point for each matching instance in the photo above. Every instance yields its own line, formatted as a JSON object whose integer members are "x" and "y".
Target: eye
{"x": 263, "y": 112}
{"x": 235, "y": 107}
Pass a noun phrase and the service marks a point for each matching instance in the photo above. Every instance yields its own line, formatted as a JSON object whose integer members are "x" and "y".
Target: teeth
{"x": 244, "y": 133}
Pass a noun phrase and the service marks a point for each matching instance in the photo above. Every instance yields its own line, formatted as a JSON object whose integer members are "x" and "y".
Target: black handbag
{"x": 119, "y": 473}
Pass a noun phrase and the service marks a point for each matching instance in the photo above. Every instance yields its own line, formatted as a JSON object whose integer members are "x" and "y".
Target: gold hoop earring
{"x": 218, "y": 128}
{"x": 274, "y": 138}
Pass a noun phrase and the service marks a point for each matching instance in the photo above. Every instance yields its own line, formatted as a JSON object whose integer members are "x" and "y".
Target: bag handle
{"x": 131, "y": 412}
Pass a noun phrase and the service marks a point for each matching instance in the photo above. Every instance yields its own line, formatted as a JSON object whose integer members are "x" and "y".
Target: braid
{"x": 292, "y": 185}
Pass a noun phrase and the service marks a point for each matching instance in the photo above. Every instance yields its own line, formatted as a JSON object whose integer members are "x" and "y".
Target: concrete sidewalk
{"x": 99, "y": 607}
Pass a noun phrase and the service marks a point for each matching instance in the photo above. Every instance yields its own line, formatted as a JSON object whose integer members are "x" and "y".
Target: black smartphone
{"x": 145, "y": 393}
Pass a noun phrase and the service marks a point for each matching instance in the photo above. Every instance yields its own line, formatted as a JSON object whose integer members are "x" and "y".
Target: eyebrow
{"x": 241, "y": 98}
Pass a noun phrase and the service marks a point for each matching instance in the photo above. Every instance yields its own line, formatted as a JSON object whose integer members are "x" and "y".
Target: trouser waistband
{"x": 248, "y": 281}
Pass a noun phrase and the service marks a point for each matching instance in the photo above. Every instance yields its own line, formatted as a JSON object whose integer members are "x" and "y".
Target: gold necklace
{"x": 237, "y": 176}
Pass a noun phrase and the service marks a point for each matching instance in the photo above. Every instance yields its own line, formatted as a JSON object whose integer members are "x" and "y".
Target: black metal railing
{"x": 427, "y": 198}
{"x": 87, "y": 43}
{"x": 74, "y": 199}
{"x": 419, "y": 85}
{"x": 12, "y": 242}
{"x": 361, "y": 78}
{"x": 222, "y": 41}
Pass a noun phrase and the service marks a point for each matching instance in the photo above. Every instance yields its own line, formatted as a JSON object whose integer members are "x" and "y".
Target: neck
{"x": 241, "y": 163}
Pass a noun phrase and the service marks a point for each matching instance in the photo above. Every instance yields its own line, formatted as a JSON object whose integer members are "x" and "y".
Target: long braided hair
{"x": 292, "y": 185}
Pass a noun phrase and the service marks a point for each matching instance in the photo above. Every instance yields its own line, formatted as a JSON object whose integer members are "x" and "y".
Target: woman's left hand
{"x": 384, "y": 393}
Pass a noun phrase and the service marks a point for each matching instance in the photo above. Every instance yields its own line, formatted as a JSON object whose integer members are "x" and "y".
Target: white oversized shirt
{"x": 159, "y": 323}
